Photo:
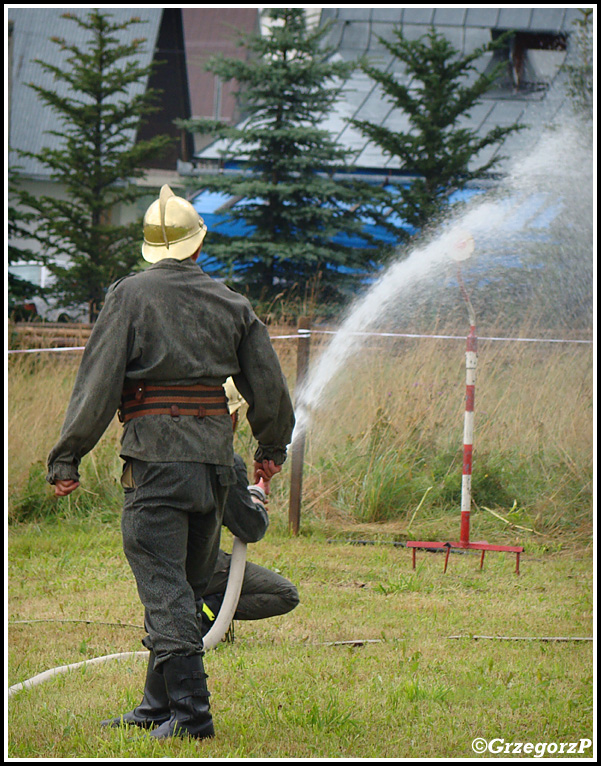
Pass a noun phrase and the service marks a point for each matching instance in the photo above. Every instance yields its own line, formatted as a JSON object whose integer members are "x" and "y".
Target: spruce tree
{"x": 95, "y": 161}
{"x": 443, "y": 87}
{"x": 293, "y": 207}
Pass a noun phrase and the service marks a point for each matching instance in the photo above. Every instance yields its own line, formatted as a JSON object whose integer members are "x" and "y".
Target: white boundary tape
{"x": 447, "y": 337}
{"x": 304, "y": 333}
{"x": 39, "y": 350}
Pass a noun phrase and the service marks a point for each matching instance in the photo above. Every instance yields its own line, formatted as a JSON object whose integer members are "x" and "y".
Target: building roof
{"x": 30, "y": 120}
{"x": 355, "y": 32}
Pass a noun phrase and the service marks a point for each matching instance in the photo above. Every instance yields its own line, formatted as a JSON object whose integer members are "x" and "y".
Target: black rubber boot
{"x": 154, "y": 708}
{"x": 186, "y": 683}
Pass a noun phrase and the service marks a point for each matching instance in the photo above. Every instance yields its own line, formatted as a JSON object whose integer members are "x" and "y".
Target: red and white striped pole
{"x": 464, "y": 247}
{"x": 468, "y": 433}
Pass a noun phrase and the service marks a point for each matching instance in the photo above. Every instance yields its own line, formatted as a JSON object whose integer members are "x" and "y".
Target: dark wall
{"x": 171, "y": 79}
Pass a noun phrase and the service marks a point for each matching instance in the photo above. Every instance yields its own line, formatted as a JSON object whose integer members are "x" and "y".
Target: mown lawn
{"x": 292, "y": 687}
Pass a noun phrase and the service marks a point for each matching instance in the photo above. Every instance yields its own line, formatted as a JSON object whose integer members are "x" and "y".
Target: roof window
{"x": 533, "y": 60}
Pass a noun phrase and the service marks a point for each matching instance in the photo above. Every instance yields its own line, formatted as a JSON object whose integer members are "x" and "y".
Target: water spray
{"x": 462, "y": 246}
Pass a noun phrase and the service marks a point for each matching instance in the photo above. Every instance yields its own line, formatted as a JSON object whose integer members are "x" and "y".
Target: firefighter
{"x": 164, "y": 343}
{"x": 264, "y": 593}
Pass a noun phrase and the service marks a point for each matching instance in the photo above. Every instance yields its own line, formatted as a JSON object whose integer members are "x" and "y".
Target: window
{"x": 533, "y": 60}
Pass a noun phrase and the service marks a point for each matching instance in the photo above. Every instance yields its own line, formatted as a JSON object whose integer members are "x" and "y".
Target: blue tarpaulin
{"x": 529, "y": 216}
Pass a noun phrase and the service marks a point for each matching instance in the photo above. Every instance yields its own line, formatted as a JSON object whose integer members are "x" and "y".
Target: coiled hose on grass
{"x": 210, "y": 641}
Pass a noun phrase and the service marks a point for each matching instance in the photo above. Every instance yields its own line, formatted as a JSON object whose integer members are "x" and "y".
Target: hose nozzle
{"x": 260, "y": 490}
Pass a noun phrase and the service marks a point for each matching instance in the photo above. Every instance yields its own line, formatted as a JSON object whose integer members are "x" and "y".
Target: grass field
{"x": 293, "y": 687}
{"x": 284, "y": 688}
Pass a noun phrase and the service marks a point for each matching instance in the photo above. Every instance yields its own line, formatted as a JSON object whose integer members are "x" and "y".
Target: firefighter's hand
{"x": 64, "y": 487}
{"x": 266, "y": 470}
{"x": 264, "y": 485}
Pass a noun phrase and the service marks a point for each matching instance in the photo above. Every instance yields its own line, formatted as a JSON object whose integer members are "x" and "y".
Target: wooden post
{"x": 298, "y": 446}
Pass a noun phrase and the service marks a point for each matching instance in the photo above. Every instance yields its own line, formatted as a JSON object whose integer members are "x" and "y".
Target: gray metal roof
{"x": 30, "y": 119}
{"x": 524, "y": 19}
{"x": 355, "y": 32}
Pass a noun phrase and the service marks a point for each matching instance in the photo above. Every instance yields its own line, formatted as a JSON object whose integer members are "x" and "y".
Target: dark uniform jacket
{"x": 172, "y": 324}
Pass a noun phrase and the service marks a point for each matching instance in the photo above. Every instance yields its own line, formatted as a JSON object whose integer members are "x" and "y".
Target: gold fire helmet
{"x": 172, "y": 228}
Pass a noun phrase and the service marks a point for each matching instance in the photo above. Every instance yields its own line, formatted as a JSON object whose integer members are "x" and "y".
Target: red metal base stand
{"x": 481, "y": 546}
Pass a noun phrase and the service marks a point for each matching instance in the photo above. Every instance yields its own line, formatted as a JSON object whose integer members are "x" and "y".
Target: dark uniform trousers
{"x": 264, "y": 592}
{"x": 171, "y": 526}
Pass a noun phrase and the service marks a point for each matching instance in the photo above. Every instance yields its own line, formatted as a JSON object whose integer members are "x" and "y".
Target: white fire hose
{"x": 210, "y": 641}
{"x": 231, "y": 597}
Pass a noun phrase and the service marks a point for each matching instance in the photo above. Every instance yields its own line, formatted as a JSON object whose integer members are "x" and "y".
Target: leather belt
{"x": 198, "y": 400}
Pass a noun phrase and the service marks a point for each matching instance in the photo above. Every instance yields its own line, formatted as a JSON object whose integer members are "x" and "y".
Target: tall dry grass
{"x": 39, "y": 387}
{"x": 386, "y": 441}
{"x": 389, "y": 434}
